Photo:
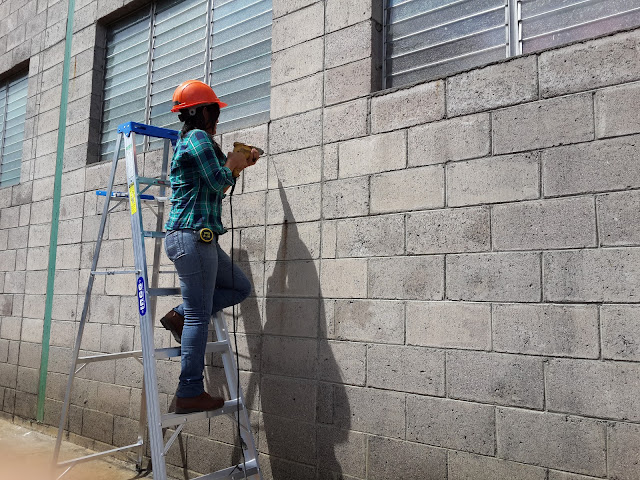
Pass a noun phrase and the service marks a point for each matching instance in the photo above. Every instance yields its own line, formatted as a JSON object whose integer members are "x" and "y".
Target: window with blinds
{"x": 547, "y": 23}
{"x": 428, "y": 39}
{"x": 13, "y": 107}
{"x": 227, "y": 43}
{"x": 241, "y": 61}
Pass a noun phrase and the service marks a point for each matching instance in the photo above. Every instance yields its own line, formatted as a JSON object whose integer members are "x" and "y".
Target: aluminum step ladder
{"x": 146, "y": 294}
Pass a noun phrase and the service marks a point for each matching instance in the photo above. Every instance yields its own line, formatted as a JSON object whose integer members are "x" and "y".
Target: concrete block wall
{"x": 445, "y": 275}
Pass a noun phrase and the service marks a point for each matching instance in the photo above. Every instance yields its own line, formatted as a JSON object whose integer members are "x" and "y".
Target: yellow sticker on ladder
{"x": 132, "y": 198}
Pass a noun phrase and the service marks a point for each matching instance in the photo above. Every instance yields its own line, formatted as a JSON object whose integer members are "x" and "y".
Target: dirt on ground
{"x": 26, "y": 454}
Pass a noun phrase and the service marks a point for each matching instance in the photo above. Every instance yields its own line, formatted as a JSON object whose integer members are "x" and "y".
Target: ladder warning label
{"x": 132, "y": 198}
{"x": 142, "y": 301}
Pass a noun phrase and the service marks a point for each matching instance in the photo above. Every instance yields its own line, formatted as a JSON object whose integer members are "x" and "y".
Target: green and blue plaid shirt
{"x": 198, "y": 178}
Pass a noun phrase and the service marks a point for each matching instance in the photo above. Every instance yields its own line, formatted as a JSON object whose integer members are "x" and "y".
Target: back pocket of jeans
{"x": 173, "y": 245}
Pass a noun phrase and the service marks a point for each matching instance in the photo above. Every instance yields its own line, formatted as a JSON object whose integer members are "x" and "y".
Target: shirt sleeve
{"x": 215, "y": 176}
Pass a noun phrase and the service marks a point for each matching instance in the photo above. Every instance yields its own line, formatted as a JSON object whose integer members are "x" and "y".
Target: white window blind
{"x": 13, "y": 108}
{"x": 428, "y": 39}
{"x": 149, "y": 54}
{"x": 547, "y": 23}
{"x": 433, "y": 38}
{"x": 241, "y": 61}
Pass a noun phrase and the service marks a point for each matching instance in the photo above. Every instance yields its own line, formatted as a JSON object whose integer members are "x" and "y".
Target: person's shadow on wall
{"x": 300, "y": 382}
{"x": 293, "y": 377}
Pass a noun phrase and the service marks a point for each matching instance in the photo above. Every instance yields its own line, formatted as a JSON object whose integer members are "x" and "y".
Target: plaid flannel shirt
{"x": 198, "y": 177}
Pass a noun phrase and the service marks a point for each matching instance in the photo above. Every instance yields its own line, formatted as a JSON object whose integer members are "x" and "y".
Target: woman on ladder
{"x": 200, "y": 173}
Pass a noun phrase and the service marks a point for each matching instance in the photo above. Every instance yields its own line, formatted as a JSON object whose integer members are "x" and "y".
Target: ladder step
{"x": 163, "y": 292}
{"x": 154, "y": 181}
{"x": 160, "y": 353}
{"x": 153, "y": 234}
{"x": 122, "y": 196}
{"x": 212, "y": 347}
{"x": 114, "y": 272}
{"x": 233, "y": 473}
{"x": 172, "y": 419}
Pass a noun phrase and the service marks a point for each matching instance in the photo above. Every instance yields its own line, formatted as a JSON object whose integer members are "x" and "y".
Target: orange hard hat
{"x": 194, "y": 93}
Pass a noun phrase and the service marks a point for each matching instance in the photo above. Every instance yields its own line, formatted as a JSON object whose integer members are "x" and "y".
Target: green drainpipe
{"x": 55, "y": 214}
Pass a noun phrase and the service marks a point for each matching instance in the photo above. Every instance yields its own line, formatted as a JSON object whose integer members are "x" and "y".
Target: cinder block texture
{"x": 494, "y": 277}
{"x": 418, "y": 278}
{"x": 622, "y": 455}
{"x": 299, "y": 167}
{"x": 349, "y": 44}
{"x": 389, "y": 458}
{"x": 620, "y": 332}
{"x": 369, "y": 321}
{"x": 296, "y": 132}
{"x": 449, "y": 325}
{"x": 282, "y": 7}
{"x": 373, "y": 154}
{"x": 544, "y": 225}
{"x": 344, "y": 278}
{"x": 342, "y": 14}
{"x": 493, "y": 180}
{"x": 346, "y": 120}
{"x": 410, "y": 189}
{"x": 467, "y": 466}
{"x": 406, "y": 369}
{"x": 556, "y": 475}
{"x": 297, "y": 62}
{"x": 348, "y": 81}
{"x": 345, "y": 198}
{"x": 288, "y": 30}
{"x": 407, "y": 107}
{"x": 449, "y": 231}
{"x": 557, "y": 441}
{"x": 553, "y": 330}
{"x": 495, "y": 378}
{"x": 493, "y": 87}
{"x": 546, "y": 123}
{"x": 580, "y": 169}
{"x": 297, "y": 96}
{"x": 454, "y": 139}
{"x": 594, "y": 388}
{"x": 616, "y": 109}
{"x": 345, "y": 452}
{"x": 618, "y": 221}
{"x": 295, "y": 204}
{"x": 343, "y": 362}
{"x": 571, "y": 69}
{"x": 370, "y": 410}
{"x": 429, "y": 421}
{"x": 602, "y": 275}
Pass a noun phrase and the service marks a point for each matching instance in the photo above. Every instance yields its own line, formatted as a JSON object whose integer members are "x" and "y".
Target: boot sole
{"x": 177, "y": 337}
{"x": 195, "y": 410}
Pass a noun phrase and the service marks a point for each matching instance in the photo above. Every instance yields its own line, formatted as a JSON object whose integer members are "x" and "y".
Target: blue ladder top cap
{"x": 149, "y": 131}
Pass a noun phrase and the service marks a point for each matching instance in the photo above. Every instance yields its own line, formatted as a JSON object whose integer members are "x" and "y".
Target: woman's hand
{"x": 237, "y": 161}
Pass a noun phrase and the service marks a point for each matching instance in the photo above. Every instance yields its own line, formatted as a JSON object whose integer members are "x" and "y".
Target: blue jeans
{"x": 208, "y": 284}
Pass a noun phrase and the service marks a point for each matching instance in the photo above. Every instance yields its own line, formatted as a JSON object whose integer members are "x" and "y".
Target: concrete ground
{"x": 26, "y": 454}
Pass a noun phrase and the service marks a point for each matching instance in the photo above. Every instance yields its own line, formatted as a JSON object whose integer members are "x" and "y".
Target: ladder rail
{"x": 85, "y": 307}
{"x": 152, "y": 402}
{"x": 240, "y": 413}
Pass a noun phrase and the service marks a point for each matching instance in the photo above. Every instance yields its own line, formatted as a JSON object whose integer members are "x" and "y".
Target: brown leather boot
{"x": 173, "y": 322}
{"x": 201, "y": 403}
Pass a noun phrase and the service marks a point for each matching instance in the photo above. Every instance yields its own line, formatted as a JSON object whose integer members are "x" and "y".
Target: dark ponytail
{"x": 196, "y": 121}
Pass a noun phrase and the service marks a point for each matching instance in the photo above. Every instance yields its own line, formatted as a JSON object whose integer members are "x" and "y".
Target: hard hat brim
{"x": 177, "y": 108}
